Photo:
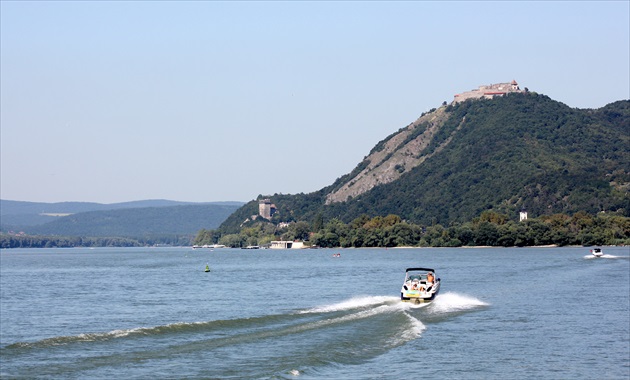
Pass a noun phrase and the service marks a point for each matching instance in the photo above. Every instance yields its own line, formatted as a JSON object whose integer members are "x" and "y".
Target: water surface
{"x": 305, "y": 314}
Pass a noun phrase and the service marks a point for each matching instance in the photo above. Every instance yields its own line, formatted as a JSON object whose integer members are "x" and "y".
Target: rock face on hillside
{"x": 400, "y": 153}
{"x": 406, "y": 149}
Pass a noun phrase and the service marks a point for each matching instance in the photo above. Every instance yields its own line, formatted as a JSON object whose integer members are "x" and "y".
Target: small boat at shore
{"x": 597, "y": 252}
{"x": 420, "y": 285}
{"x": 210, "y": 246}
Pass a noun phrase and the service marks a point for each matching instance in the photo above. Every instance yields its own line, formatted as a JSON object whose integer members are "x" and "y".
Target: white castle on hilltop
{"x": 488, "y": 91}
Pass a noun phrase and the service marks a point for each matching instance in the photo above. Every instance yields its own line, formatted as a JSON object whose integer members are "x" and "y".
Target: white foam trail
{"x": 453, "y": 302}
{"x": 358, "y": 315}
{"x": 353, "y": 303}
{"x": 611, "y": 257}
{"x": 123, "y": 333}
{"x": 408, "y": 334}
{"x": 589, "y": 257}
{"x": 417, "y": 327}
{"x": 346, "y": 318}
{"x": 88, "y": 337}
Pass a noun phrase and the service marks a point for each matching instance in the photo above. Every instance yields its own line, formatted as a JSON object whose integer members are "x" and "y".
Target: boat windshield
{"x": 415, "y": 276}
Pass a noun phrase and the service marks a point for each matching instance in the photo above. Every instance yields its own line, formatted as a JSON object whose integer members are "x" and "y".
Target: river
{"x": 140, "y": 313}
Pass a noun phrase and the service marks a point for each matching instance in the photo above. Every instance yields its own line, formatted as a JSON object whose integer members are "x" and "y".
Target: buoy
{"x": 207, "y": 268}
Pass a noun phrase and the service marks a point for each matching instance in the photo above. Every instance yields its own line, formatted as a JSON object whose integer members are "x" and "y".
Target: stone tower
{"x": 264, "y": 208}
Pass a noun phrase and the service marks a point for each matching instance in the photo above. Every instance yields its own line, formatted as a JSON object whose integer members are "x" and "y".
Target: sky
{"x": 207, "y": 101}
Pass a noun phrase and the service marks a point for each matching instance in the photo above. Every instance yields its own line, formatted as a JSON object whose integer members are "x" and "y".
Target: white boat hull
{"x": 420, "y": 286}
{"x": 419, "y": 296}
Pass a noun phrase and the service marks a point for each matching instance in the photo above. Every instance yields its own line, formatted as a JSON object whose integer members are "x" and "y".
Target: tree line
{"x": 40, "y": 241}
{"x": 489, "y": 229}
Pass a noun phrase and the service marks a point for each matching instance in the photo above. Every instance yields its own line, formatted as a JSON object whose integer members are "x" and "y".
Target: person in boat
{"x": 430, "y": 280}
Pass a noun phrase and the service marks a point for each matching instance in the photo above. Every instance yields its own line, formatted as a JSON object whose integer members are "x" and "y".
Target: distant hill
{"x": 128, "y": 219}
{"x": 521, "y": 151}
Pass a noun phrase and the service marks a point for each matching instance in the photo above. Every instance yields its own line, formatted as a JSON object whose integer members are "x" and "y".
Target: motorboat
{"x": 211, "y": 246}
{"x": 420, "y": 286}
{"x": 597, "y": 252}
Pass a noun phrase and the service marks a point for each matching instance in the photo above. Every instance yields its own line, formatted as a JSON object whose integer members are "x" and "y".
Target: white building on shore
{"x": 286, "y": 244}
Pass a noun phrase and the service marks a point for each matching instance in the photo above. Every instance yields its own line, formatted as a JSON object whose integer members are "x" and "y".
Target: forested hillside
{"x": 138, "y": 222}
{"x": 523, "y": 151}
{"x": 20, "y": 214}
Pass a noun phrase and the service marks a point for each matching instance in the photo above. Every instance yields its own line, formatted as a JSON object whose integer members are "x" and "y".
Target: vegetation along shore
{"x": 490, "y": 229}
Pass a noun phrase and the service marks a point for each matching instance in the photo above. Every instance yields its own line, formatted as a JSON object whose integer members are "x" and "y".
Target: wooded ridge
{"x": 129, "y": 219}
{"x": 522, "y": 151}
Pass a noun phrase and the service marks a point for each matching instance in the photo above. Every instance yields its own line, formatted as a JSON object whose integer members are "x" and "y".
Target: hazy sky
{"x": 218, "y": 101}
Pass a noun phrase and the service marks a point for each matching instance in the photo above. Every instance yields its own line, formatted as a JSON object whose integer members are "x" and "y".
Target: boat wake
{"x": 351, "y": 331}
{"x": 353, "y": 303}
{"x": 449, "y": 302}
{"x": 605, "y": 256}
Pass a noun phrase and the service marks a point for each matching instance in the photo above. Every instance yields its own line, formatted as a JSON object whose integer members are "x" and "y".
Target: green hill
{"x": 522, "y": 151}
{"x": 137, "y": 222}
{"x": 22, "y": 216}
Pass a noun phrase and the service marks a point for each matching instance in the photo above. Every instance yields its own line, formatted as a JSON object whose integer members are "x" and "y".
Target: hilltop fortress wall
{"x": 488, "y": 91}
